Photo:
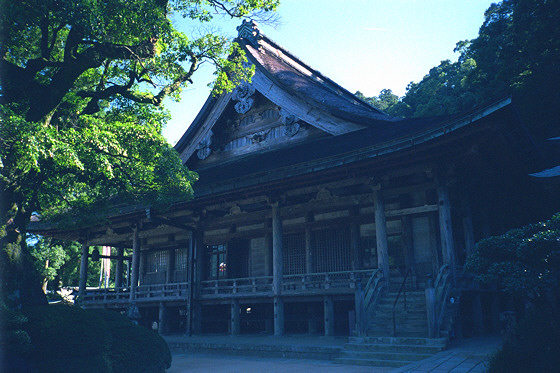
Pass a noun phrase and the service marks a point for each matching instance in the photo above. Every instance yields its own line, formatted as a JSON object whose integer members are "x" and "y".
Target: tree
{"x": 524, "y": 262}
{"x": 386, "y": 101}
{"x": 517, "y": 52}
{"x": 82, "y": 89}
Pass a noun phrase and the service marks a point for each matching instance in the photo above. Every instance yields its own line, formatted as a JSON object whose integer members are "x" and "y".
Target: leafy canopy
{"x": 523, "y": 261}
{"x": 83, "y": 82}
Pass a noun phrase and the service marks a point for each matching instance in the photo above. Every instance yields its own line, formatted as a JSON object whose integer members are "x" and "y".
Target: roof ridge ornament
{"x": 249, "y": 31}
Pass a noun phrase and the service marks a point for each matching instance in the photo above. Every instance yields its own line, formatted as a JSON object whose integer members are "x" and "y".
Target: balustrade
{"x": 324, "y": 283}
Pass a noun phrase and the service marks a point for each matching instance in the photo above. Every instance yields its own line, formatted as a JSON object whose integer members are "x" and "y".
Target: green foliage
{"x": 14, "y": 340}
{"x": 134, "y": 348}
{"x": 61, "y": 338}
{"x": 533, "y": 348}
{"x": 523, "y": 261}
{"x": 517, "y": 52}
{"x": 66, "y": 338}
{"x": 83, "y": 84}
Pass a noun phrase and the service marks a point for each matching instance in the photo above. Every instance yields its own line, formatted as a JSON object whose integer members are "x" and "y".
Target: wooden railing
{"x": 143, "y": 293}
{"x": 249, "y": 285}
{"x": 323, "y": 281}
{"x": 318, "y": 283}
{"x": 373, "y": 290}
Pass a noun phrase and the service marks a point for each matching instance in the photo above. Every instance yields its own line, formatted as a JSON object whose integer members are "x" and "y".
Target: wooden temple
{"x": 314, "y": 210}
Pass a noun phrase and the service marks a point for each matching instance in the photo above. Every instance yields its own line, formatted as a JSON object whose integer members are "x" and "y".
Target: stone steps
{"x": 389, "y": 351}
{"x": 411, "y": 321}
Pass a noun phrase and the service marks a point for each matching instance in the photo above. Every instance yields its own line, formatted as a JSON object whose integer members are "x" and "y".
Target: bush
{"x": 66, "y": 338}
{"x": 69, "y": 339}
{"x": 534, "y": 347}
{"x": 134, "y": 348}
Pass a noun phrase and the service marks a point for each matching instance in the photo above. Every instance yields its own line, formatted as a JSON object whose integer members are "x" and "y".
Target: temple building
{"x": 317, "y": 213}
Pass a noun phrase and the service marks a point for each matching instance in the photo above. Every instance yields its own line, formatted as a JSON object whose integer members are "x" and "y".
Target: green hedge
{"x": 135, "y": 348}
{"x": 535, "y": 346}
{"x": 70, "y": 339}
{"x": 67, "y": 339}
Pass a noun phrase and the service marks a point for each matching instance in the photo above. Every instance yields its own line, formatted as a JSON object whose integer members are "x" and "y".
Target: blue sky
{"x": 363, "y": 45}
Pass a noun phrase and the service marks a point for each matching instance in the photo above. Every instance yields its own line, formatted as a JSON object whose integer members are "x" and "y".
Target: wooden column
{"x": 381, "y": 235}
{"x": 430, "y": 294}
{"x": 408, "y": 246}
{"x": 83, "y": 271}
{"x": 309, "y": 246}
{"x": 278, "y": 316}
{"x": 329, "y": 315}
{"x": 268, "y": 252}
{"x": 119, "y": 268}
{"x": 278, "y": 270}
{"x": 193, "y": 282}
{"x": 277, "y": 260}
{"x": 170, "y": 266}
{"x": 355, "y": 241}
{"x": 468, "y": 229}
{"x": 162, "y": 319}
{"x": 312, "y": 322}
{"x": 235, "y": 317}
{"x": 135, "y": 263}
{"x": 446, "y": 228}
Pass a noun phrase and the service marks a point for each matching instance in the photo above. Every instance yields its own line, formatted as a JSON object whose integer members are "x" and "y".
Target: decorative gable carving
{"x": 243, "y": 93}
{"x": 203, "y": 147}
{"x": 290, "y": 121}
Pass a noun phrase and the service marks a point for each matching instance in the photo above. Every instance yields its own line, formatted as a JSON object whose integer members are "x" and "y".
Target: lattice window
{"x": 217, "y": 261}
{"x": 156, "y": 261}
{"x": 293, "y": 248}
{"x": 181, "y": 257}
{"x": 333, "y": 250}
{"x": 368, "y": 246}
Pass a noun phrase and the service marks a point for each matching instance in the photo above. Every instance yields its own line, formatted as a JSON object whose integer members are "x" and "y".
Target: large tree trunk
{"x": 20, "y": 282}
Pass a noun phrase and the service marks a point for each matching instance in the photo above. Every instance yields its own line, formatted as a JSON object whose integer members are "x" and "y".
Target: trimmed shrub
{"x": 134, "y": 348}
{"x": 535, "y": 346}
{"x": 67, "y": 339}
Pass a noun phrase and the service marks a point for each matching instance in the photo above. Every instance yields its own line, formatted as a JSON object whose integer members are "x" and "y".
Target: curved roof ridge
{"x": 329, "y": 82}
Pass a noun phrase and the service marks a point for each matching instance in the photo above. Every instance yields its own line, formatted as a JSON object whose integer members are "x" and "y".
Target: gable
{"x": 247, "y": 124}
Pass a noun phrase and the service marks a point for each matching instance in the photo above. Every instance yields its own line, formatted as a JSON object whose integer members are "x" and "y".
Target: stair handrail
{"x": 374, "y": 288}
{"x": 442, "y": 289}
{"x": 409, "y": 271}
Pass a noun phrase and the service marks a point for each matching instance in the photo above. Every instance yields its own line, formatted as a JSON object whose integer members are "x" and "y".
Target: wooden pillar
{"x": 329, "y": 315}
{"x": 135, "y": 263}
{"x": 235, "y": 317}
{"x": 277, "y": 260}
{"x": 468, "y": 229}
{"x": 360, "y": 310}
{"x": 446, "y": 228}
{"x": 268, "y": 252}
{"x": 435, "y": 244}
{"x": 277, "y": 269}
{"x": 430, "y": 293}
{"x": 278, "y": 316}
{"x": 309, "y": 246}
{"x": 408, "y": 247}
{"x": 170, "y": 266}
{"x": 119, "y": 268}
{"x": 162, "y": 319}
{"x": 193, "y": 281}
{"x": 83, "y": 270}
{"x": 478, "y": 319}
{"x": 357, "y": 260}
{"x": 312, "y": 322}
{"x": 381, "y": 235}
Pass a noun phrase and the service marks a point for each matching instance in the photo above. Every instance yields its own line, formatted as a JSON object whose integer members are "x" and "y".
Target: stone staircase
{"x": 389, "y": 351}
{"x": 409, "y": 322}
{"x": 382, "y": 348}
